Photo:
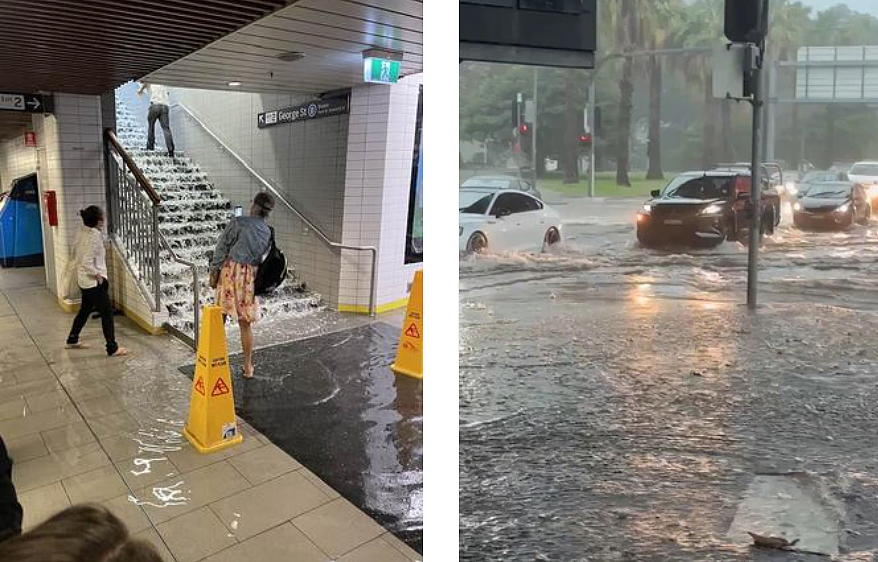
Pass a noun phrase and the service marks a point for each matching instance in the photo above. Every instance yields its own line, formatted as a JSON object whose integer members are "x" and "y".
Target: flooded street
{"x": 618, "y": 403}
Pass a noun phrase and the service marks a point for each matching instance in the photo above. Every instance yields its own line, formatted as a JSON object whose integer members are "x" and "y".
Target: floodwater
{"x": 617, "y": 403}
{"x": 332, "y": 402}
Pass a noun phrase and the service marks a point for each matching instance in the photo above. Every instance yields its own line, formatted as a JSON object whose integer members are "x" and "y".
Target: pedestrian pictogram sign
{"x": 219, "y": 388}
{"x": 212, "y": 424}
{"x": 410, "y": 354}
{"x": 412, "y": 332}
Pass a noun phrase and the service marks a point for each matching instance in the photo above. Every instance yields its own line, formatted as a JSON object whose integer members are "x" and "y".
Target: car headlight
{"x": 460, "y": 231}
{"x": 714, "y": 209}
{"x": 646, "y": 209}
{"x": 797, "y": 207}
{"x": 844, "y": 208}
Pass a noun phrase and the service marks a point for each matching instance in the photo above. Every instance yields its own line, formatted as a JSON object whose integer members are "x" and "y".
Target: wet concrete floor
{"x": 333, "y": 402}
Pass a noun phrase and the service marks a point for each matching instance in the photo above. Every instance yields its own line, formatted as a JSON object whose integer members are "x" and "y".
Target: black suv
{"x": 705, "y": 208}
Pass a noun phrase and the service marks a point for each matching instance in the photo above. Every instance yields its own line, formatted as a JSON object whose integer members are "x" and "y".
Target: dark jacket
{"x": 10, "y": 509}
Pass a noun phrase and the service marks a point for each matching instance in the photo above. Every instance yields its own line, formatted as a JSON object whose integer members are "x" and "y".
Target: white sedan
{"x": 505, "y": 221}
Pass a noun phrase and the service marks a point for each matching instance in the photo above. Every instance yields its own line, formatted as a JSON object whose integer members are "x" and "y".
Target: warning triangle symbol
{"x": 412, "y": 332}
{"x": 199, "y": 386}
{"x": 219, "y": 388}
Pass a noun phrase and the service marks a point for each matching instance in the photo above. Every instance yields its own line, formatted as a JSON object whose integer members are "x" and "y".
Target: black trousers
{"x": 161, "y": 113}
{"x": 97, "y": 298}
{"x": 10, "y": 509}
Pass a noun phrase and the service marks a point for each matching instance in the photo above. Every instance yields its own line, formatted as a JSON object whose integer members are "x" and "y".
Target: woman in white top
{"x": 90, "y": 259}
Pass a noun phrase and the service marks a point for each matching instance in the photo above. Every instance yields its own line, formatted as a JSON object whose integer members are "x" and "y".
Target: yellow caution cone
{"x": 410, "y": 354}
{"x": 212, "y": 424}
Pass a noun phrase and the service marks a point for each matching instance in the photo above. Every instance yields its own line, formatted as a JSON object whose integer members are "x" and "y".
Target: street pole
{"x": 520, "y": 156}
{"x": 755, "y": 188}
{"x": 593, "y": 131}
{"x": 533, "y": 133}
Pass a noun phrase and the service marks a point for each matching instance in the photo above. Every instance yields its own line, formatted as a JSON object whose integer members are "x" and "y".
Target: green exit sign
{"x": 381, "y": 71}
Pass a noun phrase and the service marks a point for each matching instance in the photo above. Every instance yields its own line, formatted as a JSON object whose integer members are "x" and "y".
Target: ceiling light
{"x": 291, "y": 56}
{"x": 234, "y": 84}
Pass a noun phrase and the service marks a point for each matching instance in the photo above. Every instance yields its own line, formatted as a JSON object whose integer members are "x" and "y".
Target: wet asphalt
{"x": 616, "y": 402}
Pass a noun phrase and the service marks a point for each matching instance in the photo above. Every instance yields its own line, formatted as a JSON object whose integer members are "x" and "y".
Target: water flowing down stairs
{"x": 192, "y": 215}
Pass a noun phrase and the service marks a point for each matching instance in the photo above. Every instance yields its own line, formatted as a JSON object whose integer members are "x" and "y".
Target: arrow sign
{"x": 25, "y": 103}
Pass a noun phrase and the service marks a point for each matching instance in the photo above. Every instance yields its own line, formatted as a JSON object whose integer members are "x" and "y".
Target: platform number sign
{"x": 25, "y": 103}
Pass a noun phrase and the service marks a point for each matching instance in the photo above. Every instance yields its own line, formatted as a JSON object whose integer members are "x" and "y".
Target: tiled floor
{"x": 83, "y": 427}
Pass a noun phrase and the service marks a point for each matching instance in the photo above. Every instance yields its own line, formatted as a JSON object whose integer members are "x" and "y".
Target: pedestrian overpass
{"x": 282, "y": 96}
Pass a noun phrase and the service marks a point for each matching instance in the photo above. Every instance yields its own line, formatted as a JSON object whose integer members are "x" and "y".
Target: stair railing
{"x": 133, "y": 218}
{"x": 134, "y": 221}
{"x": 268, "y": 186}
{"x": 196, "y": 287}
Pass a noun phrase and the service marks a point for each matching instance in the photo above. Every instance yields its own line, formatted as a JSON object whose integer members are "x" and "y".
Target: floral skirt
{"x": 235, "y": 293}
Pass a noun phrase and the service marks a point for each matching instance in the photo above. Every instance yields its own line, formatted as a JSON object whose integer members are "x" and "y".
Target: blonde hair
{"x": 82, "y": 533}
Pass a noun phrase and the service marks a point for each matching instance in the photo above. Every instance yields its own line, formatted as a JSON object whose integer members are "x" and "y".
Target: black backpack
{"x": 272, "y": 271}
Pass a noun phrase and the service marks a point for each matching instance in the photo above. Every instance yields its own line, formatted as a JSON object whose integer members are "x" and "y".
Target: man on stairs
{"x": 159, "y": 109}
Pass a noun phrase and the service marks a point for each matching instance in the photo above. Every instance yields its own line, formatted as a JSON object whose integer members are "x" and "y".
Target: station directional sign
{"x": 311, "y": 110}
{"x": 25, "y": 103}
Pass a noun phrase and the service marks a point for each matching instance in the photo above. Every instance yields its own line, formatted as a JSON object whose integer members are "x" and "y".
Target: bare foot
{"x": 248, "y": 374}
{"x": 120, "y": 352}
{"x": 77, "y": 346}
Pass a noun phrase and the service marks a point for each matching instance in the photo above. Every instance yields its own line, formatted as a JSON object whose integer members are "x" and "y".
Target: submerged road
{"x": 618, "y": 403}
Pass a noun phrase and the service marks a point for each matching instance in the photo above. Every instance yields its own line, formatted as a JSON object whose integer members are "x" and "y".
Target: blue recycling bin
{"x": 21, "y": 229}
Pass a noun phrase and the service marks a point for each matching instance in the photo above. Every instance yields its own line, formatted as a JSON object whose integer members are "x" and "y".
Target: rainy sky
{"x": 865, "y": 6}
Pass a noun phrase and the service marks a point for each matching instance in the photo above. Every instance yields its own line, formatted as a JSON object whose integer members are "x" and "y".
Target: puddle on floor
{"x": 333, "y": 404}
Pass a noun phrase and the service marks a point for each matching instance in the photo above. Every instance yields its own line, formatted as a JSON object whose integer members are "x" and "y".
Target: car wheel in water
{"x": 552, "y": 238}
{"x": 477, "y": 244}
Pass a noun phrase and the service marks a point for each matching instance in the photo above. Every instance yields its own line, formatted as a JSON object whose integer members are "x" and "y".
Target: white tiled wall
{"x": 378, "y": 185}
{"x": 16, "y": 160}
{"x": 305, "y": 161}
{"x": 71, "y": 164}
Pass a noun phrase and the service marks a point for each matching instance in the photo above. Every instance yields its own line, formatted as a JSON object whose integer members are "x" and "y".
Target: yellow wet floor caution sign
{"x": 212, "y": 424}
{"x": 410, "y": 354}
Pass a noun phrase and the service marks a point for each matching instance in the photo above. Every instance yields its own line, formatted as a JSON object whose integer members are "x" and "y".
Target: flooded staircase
{"x": 192, "y": 215}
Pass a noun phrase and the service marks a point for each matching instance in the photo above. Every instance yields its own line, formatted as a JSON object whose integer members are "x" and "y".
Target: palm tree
{"x": 659, "y": 21}
{"x": 629, "y": 35}
{"x": 701, "y": 26}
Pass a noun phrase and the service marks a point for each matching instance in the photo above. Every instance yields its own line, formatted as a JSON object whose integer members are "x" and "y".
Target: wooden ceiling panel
{"x": 91, "y": 46}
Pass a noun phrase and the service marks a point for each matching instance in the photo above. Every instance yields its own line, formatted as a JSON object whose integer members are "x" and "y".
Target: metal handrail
{"x": 196, "y": 286}
{"x": 138, "y": 174}
{"x": 131, "y": 204}
{"x": 267, "y": 185}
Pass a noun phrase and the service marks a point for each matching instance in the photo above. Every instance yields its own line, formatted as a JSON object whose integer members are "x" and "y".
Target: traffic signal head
{"x": 525, "y": 129}
{"x": 585, "y": 139}
{"x": 743, "y": 23}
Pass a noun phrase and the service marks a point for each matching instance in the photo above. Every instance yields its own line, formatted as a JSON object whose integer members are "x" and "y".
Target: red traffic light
{"x": 585, "y": 139}
{"x": 525, "y": 129}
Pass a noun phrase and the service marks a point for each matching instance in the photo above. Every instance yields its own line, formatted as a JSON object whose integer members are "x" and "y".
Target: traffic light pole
{"x": 593, "y": 131}
{"x": 533, "y": 133}
{"x": 755, "y": 176}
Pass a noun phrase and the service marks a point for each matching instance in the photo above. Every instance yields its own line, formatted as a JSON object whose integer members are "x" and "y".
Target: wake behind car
{"x": 502, "y": 181}
{"x": 705, "y": 209}
{"x": 505, "y": 221}
{"x": 832, "y": 205}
